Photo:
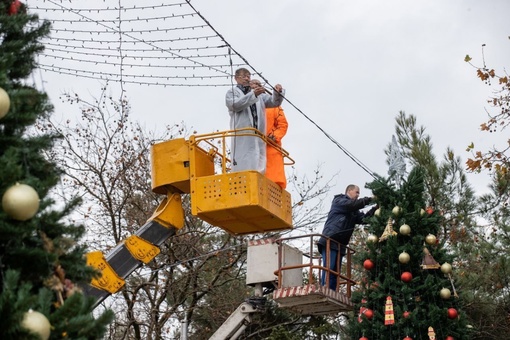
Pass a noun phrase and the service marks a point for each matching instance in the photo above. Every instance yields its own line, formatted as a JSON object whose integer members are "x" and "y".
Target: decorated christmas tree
{"x": 41, "y": 261}
{"x": 407, "y": 290}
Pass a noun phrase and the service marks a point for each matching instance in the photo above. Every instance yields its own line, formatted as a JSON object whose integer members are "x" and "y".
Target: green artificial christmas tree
{"x": 407, "y": 291}
{"x": 41, "y": 263}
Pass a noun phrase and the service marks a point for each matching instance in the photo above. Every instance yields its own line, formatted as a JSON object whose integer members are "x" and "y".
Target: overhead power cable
{"x": 344, "y": 150}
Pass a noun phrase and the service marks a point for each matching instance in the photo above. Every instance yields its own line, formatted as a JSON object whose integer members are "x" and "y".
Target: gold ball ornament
{"x": 445, "y": 293}
{"x": 430, "y": 239}
{"x": 37, "y": 323}
{"x": 422, "y": 212}
{"x": 20, "y": 202}
{"x": 404, "y": 257}
{"x": 446, "y": 268}
{"x": 377, "y": 212}
{"x": 405, "y": 229}
{"x": 372, "y": 238}
{"x": 5, "y": 103}
{"x": 396, "y": 210}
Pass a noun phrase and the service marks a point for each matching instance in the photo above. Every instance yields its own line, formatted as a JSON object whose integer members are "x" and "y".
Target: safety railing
{"x": 216, "y": 144}
{"x": 314, "y": 265}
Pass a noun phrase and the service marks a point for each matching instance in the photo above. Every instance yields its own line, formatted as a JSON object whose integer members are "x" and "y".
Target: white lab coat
{"x": 249, "y": 153}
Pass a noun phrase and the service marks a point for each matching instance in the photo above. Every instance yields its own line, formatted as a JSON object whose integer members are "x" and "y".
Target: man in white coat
{"x": 246, "y": 107}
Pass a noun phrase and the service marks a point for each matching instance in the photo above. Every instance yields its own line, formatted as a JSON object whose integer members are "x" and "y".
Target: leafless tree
{"x": 199, "y": 274}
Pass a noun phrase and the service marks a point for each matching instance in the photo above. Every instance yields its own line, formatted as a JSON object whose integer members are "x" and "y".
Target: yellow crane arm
{"x": 136, "y": 250}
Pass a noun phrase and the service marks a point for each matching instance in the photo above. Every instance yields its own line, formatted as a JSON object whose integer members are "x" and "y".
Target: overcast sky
{"x": 350, "y": 66}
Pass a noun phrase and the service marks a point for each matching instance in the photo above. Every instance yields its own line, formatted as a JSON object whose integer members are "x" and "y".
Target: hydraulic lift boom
{"x": 241, "y": 203}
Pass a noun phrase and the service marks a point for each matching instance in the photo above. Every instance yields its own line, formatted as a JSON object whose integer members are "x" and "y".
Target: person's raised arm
{"x": 360, "y": 203}
{"x": 237, "y": 101}
{"x": 277, "y": 98}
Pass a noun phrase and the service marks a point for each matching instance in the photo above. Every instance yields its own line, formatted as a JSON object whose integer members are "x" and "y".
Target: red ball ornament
{"x": 429, "y": 210}
{"x": 368, "y": 264}
{"x": 369, "y": 314}
{"x": 406, "y": 314}
{"x": 452, "y": 313}
{"x": 449, "y": 338}
{"x": 406, "y": 277}
{"x": 408, "y": 338}
{"x": 14, "y": 7}
{"x": 363, "y": 338}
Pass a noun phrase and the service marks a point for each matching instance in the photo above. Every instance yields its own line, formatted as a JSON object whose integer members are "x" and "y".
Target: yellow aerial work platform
{"x": 242, "y": 202}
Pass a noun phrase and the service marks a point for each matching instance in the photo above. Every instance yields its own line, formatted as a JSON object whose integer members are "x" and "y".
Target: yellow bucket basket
{"x": 244, "y": 202}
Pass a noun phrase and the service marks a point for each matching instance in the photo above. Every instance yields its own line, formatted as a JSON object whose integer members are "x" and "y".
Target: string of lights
{"x": 144, "y": 40}
{"x": 86, "y": 51}
{"x": 90, "y": 29}
{"x": 90, "y": 32}
{"x": 158, "y": 80}
{"x": 123, "y": 8}
{"x": 134, "y": 65}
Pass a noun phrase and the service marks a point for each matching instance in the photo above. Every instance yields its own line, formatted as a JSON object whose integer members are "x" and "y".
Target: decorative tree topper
{"x": 397, "y": 168}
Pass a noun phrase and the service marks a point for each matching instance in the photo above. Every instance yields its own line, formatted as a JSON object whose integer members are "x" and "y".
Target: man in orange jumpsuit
{"x": 276, "y": 128}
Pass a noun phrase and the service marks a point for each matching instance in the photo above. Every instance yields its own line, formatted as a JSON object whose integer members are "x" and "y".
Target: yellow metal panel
{"x": 171, "y": 161}
{"x": 242, "y": 203}
{"x": 170, "y": 212}
{"x": 170, "y": 166}
{"x": 202, "y": 162}
{"x": 109, "y": 280}
{"x": 141, "y": 249}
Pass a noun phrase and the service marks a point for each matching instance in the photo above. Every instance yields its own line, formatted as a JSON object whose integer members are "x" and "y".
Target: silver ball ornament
{"x": 446, "y": 268}
{"x": 372, "y": 238}
{"x": 37, "y": 323}
{"x": 445, "y": 293}
{"x": 20, "y": 202}
{"x": 430, "y": 239}
{"x": 5, "y": 103}
{"x": 404, "y": 257}
{"x": 405, "y": 229}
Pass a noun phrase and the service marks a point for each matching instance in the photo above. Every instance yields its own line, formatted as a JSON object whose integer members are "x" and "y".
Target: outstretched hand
{"x": 259, "y": 90}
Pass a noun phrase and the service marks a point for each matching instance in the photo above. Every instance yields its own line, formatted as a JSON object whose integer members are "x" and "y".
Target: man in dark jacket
{"x": 344, "y": 215}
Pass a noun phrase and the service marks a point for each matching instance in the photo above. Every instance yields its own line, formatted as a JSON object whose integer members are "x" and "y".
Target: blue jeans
{"x": 333, "y": 254}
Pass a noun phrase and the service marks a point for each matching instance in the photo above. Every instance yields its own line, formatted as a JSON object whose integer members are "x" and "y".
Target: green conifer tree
{"x": 41, "y": 263}
{"x": 406, "y": 291}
